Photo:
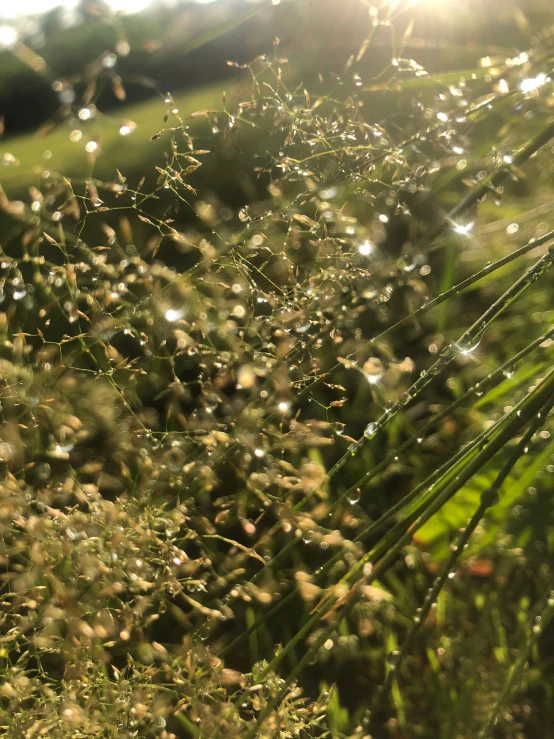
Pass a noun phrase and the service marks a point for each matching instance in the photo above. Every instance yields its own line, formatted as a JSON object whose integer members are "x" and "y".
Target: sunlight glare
{"x": 38, "y": 7}
{"x": 8, "y": 37}
{"x": 128, "y": 6}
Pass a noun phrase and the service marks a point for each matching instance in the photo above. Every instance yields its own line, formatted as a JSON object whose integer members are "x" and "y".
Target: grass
{"x": 57, "y": 152}
{"x": 277, "y": 461}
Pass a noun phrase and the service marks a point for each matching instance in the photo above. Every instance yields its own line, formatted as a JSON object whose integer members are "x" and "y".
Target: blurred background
{"x": 72, "y": 71}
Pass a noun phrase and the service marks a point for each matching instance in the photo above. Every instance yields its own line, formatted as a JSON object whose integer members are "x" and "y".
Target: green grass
{"x": 134, "y": 154}
{"x": 277, "y": 454}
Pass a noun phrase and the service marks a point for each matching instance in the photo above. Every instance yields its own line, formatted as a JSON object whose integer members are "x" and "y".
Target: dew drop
{"x": 371, "y": 429}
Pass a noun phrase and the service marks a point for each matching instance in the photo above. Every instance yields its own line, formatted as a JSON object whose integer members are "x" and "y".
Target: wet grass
{"x": 134, "y": 153}
{"x": 276, "y": 449}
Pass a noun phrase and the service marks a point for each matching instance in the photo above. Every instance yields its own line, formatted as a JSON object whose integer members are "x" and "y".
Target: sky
{"x": 13, "y": 10}
{"x": 33, "y": 7}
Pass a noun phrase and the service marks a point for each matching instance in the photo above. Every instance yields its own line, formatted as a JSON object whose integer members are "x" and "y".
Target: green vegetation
{"x": 62, "y": 154}
{"x": 276, "y": 388}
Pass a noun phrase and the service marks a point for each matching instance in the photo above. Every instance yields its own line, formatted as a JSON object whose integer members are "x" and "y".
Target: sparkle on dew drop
{"x": 467, "y": 347}
{"x": 533, "y": 83}
{"x": 127, "y": 128}
{"x": 371, "y": 429}
{"x": 172, "y": 315}
{"x": 373, "y": 370}
{"x": 463, "y": 228}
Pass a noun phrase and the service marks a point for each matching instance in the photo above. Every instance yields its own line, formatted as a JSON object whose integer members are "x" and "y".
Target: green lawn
{"x": 132, "y": 154}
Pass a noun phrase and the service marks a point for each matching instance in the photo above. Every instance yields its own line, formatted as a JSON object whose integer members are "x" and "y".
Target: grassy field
{"x": 133, "y": 154}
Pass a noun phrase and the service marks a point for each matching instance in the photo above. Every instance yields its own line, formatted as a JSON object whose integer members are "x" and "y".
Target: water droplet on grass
{"x": 371, "y": 429}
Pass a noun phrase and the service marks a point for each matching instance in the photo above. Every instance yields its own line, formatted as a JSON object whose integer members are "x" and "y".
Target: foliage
{"x": 276, "y": 463}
